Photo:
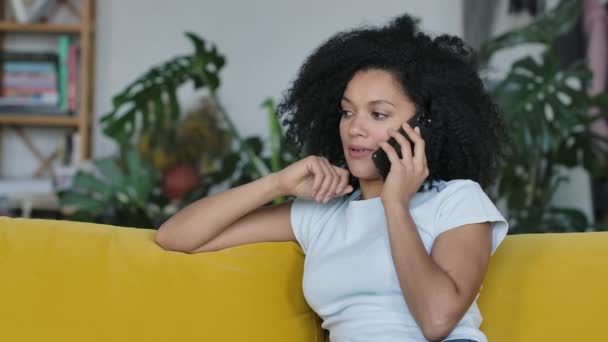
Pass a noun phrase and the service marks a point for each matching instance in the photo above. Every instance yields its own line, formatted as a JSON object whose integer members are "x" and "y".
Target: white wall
{"x": 264, "y": 41}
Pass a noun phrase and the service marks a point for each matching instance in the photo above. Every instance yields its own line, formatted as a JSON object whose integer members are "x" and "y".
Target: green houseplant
{"x": 116, "y": 191}
{"x": 151, "y": 100}
{"x": 546, "y": 107}
{"x": 148, "y": 111}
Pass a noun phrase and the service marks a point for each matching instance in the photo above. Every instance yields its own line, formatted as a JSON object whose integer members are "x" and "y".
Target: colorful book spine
{"x": 73, "y": 78}
{"x": 28, "y": 80}
{"x": 63, "y": 51}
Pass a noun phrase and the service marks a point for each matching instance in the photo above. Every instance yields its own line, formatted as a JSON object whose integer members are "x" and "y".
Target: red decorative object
{"x": 178, "y": 180}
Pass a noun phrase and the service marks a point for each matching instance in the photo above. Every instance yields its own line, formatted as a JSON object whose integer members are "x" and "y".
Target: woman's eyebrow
{"x": 382, "y": 101}
{"x": 344, "y": 98}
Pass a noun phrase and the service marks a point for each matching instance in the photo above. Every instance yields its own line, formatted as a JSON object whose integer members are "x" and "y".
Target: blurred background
{"x": 122, "y": 112}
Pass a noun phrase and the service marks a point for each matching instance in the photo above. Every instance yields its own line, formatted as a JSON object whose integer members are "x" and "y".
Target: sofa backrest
{"x": 547, "y": 287}
{"x": 72, "y": 281}
{"x": 68, "y": 281}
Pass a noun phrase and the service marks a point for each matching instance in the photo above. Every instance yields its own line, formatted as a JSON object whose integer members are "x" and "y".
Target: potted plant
{"x": 187, "y": 155}
{"x": 547, "y": 111}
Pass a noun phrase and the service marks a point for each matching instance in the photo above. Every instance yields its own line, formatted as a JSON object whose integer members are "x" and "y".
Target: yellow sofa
{"x": 67, "y": 281}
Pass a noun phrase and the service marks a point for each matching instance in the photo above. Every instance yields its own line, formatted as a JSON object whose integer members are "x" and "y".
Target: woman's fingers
{"x": 406, "y": 147}
{"x": 419, "y": 144}
{"x": 326, "y": 180}
{"x": 390, "y": 152}
{"x": 318, "y": 175}
{"x": 329, "y": 181}
{"x": 334, "y": 180}
{"x": 344, "y": 179}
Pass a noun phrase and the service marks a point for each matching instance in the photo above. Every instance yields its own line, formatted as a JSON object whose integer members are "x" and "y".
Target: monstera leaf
{"x": 151, "y": 100}
{"x": 548, "y": 114}
{"x": 543, "y": 103}
{"x": 544, "y": 30}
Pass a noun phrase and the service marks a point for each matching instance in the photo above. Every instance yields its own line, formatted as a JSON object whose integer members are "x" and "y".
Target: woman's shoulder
{"x": 442, "y": 193}
{"x": 309, "y": 218}
{"x": 450, "y": 187}
{"x": 455, "y": 184}
{"x": 311, "y": 206}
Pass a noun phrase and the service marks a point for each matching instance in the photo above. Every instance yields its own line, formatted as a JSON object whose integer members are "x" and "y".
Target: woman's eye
{"x": 344, "y": 112}
{"x": 379, "y": 115}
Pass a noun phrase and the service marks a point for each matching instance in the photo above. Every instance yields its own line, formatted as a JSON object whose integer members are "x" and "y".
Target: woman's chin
{"x": 368, "y": 173}
{"x": 370, "y": 177}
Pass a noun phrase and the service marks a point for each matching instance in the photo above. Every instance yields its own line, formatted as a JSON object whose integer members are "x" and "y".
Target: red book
{"x": 72, "y": 89}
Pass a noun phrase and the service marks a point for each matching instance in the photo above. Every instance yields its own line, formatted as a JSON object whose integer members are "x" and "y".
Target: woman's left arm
{"x": 438, "y": 288}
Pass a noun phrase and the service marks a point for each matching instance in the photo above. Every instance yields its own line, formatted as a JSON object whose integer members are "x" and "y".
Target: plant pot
{"x": 179, "y": 179}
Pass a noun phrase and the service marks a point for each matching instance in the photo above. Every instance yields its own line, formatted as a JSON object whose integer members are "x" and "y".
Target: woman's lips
{"x": 359, "y": 153}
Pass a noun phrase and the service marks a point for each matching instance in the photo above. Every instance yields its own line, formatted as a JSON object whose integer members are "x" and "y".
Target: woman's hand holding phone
{"x": 408, "y": 165}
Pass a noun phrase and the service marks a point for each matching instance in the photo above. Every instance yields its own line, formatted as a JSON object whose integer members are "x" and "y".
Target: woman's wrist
{"x": 274, "y": 183}
{"x": 395, "y": 205}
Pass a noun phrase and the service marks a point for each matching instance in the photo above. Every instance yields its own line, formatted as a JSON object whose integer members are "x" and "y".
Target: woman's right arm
{"x": 236, "y": 216}
{"x": 196, "y": 227}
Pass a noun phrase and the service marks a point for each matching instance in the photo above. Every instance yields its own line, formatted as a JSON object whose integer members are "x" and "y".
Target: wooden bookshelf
{"x": 83, "y": 29}
{"x": 8, "y": 26}
{"x": 38, "y": 120}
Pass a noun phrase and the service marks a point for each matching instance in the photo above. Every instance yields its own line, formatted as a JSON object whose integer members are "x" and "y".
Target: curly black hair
{"x": 439, "y": 75}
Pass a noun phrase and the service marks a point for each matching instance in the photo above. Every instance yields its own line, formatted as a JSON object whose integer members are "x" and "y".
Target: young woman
{"x": 400, "y": 258}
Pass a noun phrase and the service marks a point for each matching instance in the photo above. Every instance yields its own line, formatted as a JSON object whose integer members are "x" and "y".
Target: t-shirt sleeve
{"x": 467, "y": 203}
{"x": 304, "y": 221}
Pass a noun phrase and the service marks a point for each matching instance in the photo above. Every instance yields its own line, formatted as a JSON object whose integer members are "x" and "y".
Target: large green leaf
{"x": 94, "y": 186}
{"x": 152, "y": 98}
{"x": 542, "y": 104}
{"x": 566, "y": 220}
{"x": 206, "y": 63}
{"x": 230, "y": 163}
{"x": 142, "y": 177}
{"x": 547, "y": 111}
{"x": 120, "y": 192}
{"x": 544, "y": 30}
{"x": 255, "y": 144}
{"x": 80, "y": 201}
{"x": 110, "y": 171}
{"x": 275, "y": 135}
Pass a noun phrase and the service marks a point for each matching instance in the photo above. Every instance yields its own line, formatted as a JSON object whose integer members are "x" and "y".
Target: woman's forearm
{"x": 206, "y": 218}
{"x": 429, "y": 290}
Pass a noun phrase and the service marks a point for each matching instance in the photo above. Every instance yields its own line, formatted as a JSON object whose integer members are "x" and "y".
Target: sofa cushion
{"x": 547, "y": 287}
{"x": 69, "y": 281}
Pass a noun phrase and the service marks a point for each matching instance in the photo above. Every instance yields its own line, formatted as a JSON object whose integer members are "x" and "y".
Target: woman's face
{"x": 372, "y": 103}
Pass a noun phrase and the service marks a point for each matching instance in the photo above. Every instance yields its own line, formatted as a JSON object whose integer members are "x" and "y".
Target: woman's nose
{"x": 357, "y": 126}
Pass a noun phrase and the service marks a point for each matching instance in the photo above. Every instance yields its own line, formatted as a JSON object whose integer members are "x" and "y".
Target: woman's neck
{"x": 370, "y": 188}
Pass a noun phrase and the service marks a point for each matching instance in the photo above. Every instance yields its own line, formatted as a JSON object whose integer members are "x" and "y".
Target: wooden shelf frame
{"x": 9, "y": 26}
{"x": 38, "y": 120}
{"x": 84, "y": 29}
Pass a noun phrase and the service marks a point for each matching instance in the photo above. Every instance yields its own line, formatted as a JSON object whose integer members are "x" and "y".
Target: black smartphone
{"x": 380, "y": 158}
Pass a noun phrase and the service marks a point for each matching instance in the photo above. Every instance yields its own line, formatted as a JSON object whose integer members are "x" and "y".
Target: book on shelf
{"x": 32, "y": 110}
{"x": 72, "y": 78}
{"x": 29, "y": 11}
{"x": 41, "y": 83}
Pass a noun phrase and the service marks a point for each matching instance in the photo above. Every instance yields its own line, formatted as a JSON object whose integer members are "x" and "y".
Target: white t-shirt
{"x": 350, "y": 279}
